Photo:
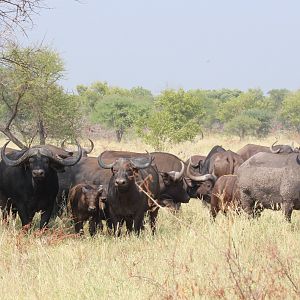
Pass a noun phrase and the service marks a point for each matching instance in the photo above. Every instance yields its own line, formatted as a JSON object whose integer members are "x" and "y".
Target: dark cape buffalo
{"x": 272, "y": 181}
{"x": 199, "y": 178}
{"x": 29, "y": 179}
{"x": 133, "y": 181}
{"x": 170, "y": 168}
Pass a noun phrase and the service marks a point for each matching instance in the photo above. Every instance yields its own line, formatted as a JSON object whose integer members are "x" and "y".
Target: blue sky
{"x": 187, "y": 44}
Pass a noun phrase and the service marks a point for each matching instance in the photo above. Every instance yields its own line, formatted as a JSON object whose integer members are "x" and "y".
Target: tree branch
{"x": 6, "y": 129}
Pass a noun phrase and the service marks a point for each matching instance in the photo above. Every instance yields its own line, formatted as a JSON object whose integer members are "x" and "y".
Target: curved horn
{"x": 298, "y": 159}
{"x": 273, "y": 150}
{"x": 178, "y": 175}
{"x": 13, "y": 163}
{"x": 62, "y": 146}
{"x": 194, "y": 165}
{"x": 142, "y": 165}
{"x": 102, "y": 164}
{"x": 199, "y": 177}
{"x": 70, "y": 161}
{"x": 91, "y": 148}
{"x": 293, "y": 146}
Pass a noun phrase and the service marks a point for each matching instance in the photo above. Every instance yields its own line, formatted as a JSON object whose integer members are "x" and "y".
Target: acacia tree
{"x": 15, "y": 16}
{"x": 33, "y": 101}
{"x": 176, "y": 117}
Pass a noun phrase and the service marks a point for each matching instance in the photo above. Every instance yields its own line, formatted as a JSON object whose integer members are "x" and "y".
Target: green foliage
{"x": 242, "y": 125}
{"x": 45, "y": 109}
{"x": 291, "y": 111}
{"x": 119, "y": 112}
{"x": 264, "y": 118}
{"x": 176, "y": 117}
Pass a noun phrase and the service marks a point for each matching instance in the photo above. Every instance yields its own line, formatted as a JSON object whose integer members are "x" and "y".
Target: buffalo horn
{"x": 140, "y": 165}
{"x": 91, "y": 148}
{"x": 178, "y": 175}
{"x": 273, "y": 150}
{"x": 102, "y": 164}
{"x": 13, "y": 163}
{"x": 194, "y": 165}
{"x": 199, "y": 177}
{"x": 69, "y": 161}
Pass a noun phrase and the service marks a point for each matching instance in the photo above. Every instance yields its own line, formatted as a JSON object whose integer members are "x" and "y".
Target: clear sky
{"x": 209, "y": 44}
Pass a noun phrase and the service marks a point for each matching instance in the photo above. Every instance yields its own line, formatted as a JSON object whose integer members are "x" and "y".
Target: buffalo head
{"x": 200, "y": 185}
{"x": 124, "y": 169}
{"x": 39, "y": 160}
{"x": 174, "y": 186}
{"x": 92, "y": 197}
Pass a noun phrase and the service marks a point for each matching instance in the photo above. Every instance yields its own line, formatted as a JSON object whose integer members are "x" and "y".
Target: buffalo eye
{"x": 46, "y": 160}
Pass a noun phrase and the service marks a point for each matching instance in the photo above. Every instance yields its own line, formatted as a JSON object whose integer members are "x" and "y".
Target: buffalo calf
{"x": 225, "y": 195}
{"x": 86, "y": 202}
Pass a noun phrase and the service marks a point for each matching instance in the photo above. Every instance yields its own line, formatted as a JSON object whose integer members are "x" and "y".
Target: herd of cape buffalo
{"x": 120, "y": 187}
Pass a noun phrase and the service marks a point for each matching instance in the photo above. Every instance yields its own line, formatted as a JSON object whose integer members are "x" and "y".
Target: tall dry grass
{"x": 189, "y": 257}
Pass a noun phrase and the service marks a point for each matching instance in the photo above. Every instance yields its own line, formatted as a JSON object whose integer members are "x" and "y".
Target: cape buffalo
{"x": 170, "y": 168}
{"x": 272, "y": 181}
{"x": 225, "y": 194}
{"x": 85, "y": 202}
{"x": 132, "y": 180}
{"x": 29, "y": 179}
{"x": 251, "y": 149}
{"x": 224, "y": 163}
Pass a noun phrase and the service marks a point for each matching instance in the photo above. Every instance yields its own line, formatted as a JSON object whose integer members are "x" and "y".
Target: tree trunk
{"x": 41, "y": 131}
{"x": 119, "y": 133}
{"x": 7, "y": 132}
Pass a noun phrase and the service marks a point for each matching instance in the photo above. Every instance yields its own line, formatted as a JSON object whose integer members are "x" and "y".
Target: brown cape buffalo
{"x": 85, "y": 202}
{"x": 224, "y": 195}
{"x": 251, "y": 149}
{"x": 224, "y": 163}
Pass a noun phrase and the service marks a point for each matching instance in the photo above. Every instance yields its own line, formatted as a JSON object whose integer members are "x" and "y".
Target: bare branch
{"x": 6, "y": 129}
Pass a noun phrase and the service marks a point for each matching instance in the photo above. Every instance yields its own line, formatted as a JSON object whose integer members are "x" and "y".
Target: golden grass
{"x": 190, "y": 257}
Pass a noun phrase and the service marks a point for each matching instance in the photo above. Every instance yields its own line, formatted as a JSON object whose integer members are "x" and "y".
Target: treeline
{"x": 34, "y": 106}
{"x": 177, "y": 115}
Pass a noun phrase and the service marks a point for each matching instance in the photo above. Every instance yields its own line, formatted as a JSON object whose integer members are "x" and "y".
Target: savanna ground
{"x": 189, "y": 257}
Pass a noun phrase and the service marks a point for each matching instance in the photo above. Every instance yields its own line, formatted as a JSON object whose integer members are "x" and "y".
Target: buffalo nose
{"x": 38, "y": 173}
{"x": 91, "y": 209}
{"x": 120, "y": 181}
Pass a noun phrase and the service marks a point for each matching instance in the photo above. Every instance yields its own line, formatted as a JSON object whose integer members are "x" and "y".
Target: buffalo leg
{"x": 78, "y": 226}
{"x": 22, "y": 210}
{"x": 138, "y": 223}
{"x": 117, "y": 224}
{"x": 247, "y": 204}
{"x": 92, "y": 225}
{"x": 153, "y": 217}
{"x": 214, "y": 206}
{"x": 45, "y": 217}
{"x": 287, "y": 209}
{"x": 129, "y": 225}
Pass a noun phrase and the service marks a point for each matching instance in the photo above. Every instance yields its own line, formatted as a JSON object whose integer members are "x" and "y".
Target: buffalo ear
{"x": 57, "y": 167}
{"x": 84, "y": 189}
{"x": 100, "y": 189}
{"x": 166, "y": 177}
